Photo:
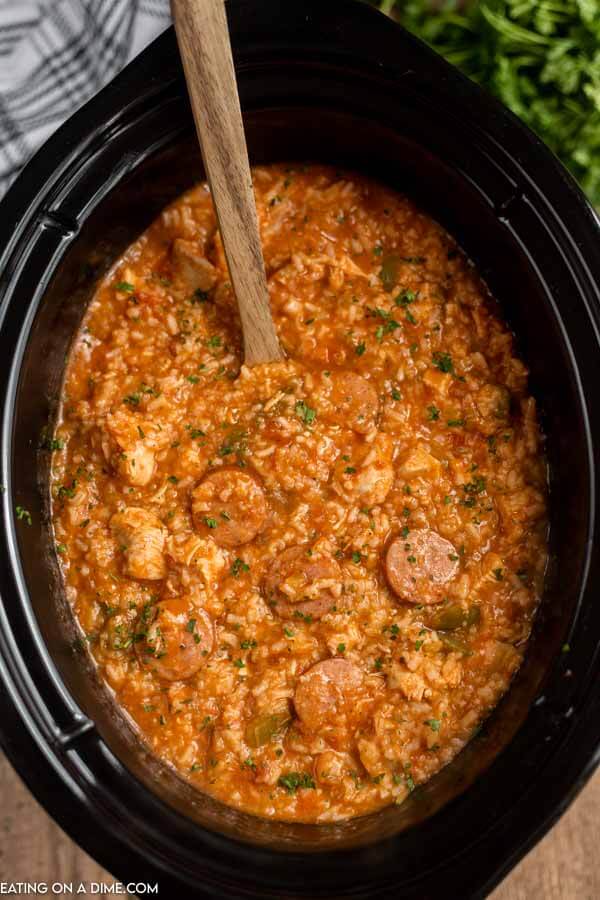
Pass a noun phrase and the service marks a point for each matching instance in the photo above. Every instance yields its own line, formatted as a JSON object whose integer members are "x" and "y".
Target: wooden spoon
{"x": 203, "y": 38}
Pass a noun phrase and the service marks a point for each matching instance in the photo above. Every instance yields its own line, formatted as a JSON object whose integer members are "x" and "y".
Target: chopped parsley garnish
{"x": 443, "y": 362}
{"x": 23, "y": 514}
{"x": 238, "y": 567}
{"x": 193, "y": 379}
{"x": 433, "y": 413}
{"x": 455, "y": 423}
{"x": 404, "y": 298}
{"x": 341, "y": 648}
{"x": 210, "y": 522}
{"x": 305, "y": 412}
{"x": 248, "y": 644}
{"x": 67, "y": 490}
{"x": 125, "y": 286}
{"x": 356, "y": 557}
{"x": 195, "y": 432}
{"x": 396, "y": 395}
{"x": 239, "y": 663}
{"x": 53, "y": 444}
{"x": 360, "y": 348}
{"x": 476, "y": 486}
{"x": 434, "y": 724}
{"x": 294, "y": 781}
{"x": 214, "y": 341}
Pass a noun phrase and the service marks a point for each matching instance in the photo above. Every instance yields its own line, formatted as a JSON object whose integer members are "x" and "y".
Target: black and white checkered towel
{"x": 54, "y": 55}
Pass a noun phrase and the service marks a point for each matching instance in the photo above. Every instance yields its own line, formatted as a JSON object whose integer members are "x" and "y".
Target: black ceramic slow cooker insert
{"x": 335, "y": 82}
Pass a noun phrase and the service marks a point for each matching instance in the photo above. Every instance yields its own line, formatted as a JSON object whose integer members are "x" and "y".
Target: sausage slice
{"x": 354, "y": 402}
{"x": 297, "y": 584}
{"x": 176, "y": 639}
{"x": 418, "y": 566}
{"x": 230, "y": 506}
{"x": 327, "y": 694}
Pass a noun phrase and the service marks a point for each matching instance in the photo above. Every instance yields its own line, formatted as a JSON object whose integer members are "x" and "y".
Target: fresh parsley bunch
{"x": 540, "y": 57}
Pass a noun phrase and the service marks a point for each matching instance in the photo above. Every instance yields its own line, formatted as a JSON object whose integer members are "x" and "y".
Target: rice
{"x": 346, "y": 548}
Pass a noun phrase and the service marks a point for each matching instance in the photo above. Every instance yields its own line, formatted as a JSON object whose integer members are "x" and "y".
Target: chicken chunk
{"x": 142, "y": 537}
{"x": 131, "y": 446}
{"x": 192, "y": 268}
{"x": 366, "y": 475}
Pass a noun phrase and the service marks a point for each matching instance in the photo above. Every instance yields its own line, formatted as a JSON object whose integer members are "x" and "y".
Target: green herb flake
{"x": 238, "y": 567}
{"x": 476, "y": 486}
{"x": 23, "y": 514}
{"x": 294, "y": 781}
{"x": 443, "y": 362}
{"x": 305, "y": 412}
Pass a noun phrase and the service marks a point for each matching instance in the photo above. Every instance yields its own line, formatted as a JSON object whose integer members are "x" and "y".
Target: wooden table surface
{"x": 562, "y": 867}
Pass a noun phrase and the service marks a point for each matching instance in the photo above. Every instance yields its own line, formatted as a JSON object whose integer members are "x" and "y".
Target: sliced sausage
{"x": 298, "y": 585}
{"x": 420, "y": 565}
{"x": 230, "y": 506}
{"x": 352, "y": 401}
{"x": 142, "y": 537}
{"x": 327, "y": 695}
{"x": 192, "y": 267}
{"x": 174, "y": 638}
{"x": 366, "y": 475}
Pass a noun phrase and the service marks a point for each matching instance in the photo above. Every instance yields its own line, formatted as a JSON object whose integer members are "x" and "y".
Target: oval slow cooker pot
{"x": 336, "y": 82}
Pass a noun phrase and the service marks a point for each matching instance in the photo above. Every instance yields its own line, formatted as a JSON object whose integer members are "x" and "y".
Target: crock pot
{"x": 336, "y": 82}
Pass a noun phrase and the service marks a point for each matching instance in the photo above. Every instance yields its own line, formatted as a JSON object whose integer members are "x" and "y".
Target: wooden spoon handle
{"x": 203, "y": 38}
